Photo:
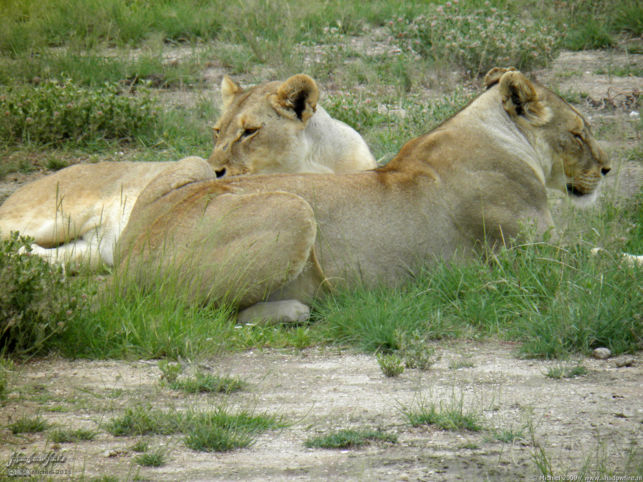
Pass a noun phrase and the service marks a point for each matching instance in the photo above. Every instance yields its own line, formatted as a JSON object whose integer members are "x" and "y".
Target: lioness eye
{"x": 578, "y": 137}
{"x": 249, "y": 131}
{"x": 215, "y": 133}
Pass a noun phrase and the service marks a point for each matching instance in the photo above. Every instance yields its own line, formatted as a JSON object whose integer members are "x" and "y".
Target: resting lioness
{"x": 78, "y": 213}
{"x": 478, "y": 177}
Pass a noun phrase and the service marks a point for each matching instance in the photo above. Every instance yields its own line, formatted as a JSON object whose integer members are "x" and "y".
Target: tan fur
{"x": 479, "y": 177}
{"x": 78, "y": 213}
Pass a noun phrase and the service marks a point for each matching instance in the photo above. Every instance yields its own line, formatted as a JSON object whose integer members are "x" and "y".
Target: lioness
{"x": 477, "y": 177}
{"x": 78, "y": 213}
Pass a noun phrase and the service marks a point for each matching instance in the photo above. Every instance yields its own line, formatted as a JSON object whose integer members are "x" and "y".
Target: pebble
{"x": 602, "y": 353}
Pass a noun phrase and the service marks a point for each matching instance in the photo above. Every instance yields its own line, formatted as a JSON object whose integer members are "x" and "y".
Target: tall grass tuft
{"x": 146, "y": 324}
{"x": 555, "y": 301}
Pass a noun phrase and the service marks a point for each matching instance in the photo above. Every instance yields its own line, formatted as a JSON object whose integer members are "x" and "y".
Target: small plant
{"x": 151, "y": 459}
{"x": 451, "y": 418}
{"x": 200, "y": 382}
{"x": 343, "y": 439}
{"x": 220, "y": 431}
{"x": 140, "y": 446}
{"x": 36, "y": 300}
{"x": 71, "y": 436}
{"x": 169, "y": 371}
{"x": 507, "y": 435}
{"x": 561, "y": 371}
{"x": 28, "y": 425}
{"x": 390, "y": 364}
{"x": 207, "y": 383}
{"x": 461, "y": 362}
{"x": 212, "y": 431}
{"x": 415, "y": 351}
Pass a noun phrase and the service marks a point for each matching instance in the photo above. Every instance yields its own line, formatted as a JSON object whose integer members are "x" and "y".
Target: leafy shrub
{"x": 390, "y": 364}
{"x": 59, "y": 113}
{"x": 36, "y": 300}
{"x": 476, "y": 39}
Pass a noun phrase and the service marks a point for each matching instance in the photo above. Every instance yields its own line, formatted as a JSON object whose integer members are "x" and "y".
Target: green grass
{"x": 390, "y": 364}
{"x": 146, "y": 325}
{"x": 561, "y": 371}
{"x": 71, "y": 436}
{"x": 207, "y": 383}
{"x": 156, "y": 458}
{"x": 28, "y": 425}
{"x": 140, "y": 446}
{"x": 452, "y": 417}
{"x": 344, "y": 439}
{"x": 210, "y": 431}
{"x": 555, "y": 300}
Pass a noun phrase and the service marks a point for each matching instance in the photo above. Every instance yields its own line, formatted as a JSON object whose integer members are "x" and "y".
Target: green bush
{"x": 36, "y": 300}
{"x": 58, "y": 113}
{"x": 476, "y": 39}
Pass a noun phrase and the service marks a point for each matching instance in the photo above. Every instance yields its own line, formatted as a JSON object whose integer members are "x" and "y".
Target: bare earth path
{"x": 594, "y": 419}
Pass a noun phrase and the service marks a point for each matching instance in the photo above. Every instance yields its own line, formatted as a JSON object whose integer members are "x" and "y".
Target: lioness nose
{"x": 222, "y": 172}
{"x": 605, "y": 170}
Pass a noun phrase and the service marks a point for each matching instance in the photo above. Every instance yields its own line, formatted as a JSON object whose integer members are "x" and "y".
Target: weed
{"x": 344, "y": 439}
{"x": 453, "y": 417}
{"x": 37, "y": 302}
{"x": 507, "y": 435}
{"x": 470, "y": 446}
{"x": 562, "y": 371}
{"x": 205, "y": 382}
{"x": 28, "y": 425}
{"x": 415, "y": 351}
{"x": 220, "y": 431}
{"x": 462, "y": 362}
{"x": 390, "y": 364}
{"x": 140, "y": 446}
{"x": 56, "y": 164}
{"x": 170, "y": 371}
{"x": 151, "y": 459}
{"x": 71, "y": 436}
{"x": 215, "y": 430}
{"x": 144, "y": 421}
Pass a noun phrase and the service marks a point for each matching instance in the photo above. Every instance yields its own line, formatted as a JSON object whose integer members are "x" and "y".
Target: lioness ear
{"x": 519, "y": 98}
{"x": 493, "y": 76}
{"x": 296, "y": 98}
{"x": 228, "y": 90}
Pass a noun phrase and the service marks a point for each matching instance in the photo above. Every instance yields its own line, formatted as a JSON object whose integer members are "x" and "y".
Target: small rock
{"x": 625, "y": 362}
{"x": 602, "y": 353}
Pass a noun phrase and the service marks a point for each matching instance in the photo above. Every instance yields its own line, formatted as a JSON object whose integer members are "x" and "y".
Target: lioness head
{"x": 556, "y": 129}
{"x": 260, "y": 128}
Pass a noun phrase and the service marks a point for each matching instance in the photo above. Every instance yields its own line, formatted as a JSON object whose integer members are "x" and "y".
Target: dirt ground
{"x": 593, "y": 421}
